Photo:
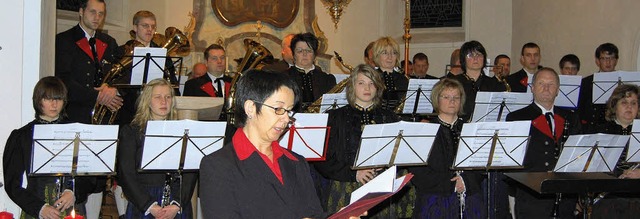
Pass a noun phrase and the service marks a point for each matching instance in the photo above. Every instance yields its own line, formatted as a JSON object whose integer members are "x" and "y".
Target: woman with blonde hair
{"x": 385, "y": 55}
{"x": 145, "y": 190}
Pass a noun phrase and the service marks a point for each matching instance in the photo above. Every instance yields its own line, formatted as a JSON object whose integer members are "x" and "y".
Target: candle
{"x": 6, "y": 215}
{"x": 73, "y": 215}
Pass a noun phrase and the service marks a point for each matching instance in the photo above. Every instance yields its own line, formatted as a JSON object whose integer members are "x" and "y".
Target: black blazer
{"x": 77, "y": 70}
{"x": 193, "y": 87}
{"x": 234, "y": 188}
{"x": 471, "y": 88}
{"x": 516, "y": 80}
{"x": 591, "y": 114}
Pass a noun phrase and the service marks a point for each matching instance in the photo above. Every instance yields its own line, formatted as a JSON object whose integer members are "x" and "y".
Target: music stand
{"x": 634, "y": 143}
{"x": 604, "y": 83}
{"x": 308, "y": 136}
{"x": 149, "y": 63}
{"x": 333, "y": 101}
{"x": 73, "y": 150}
{"x": 401, "y": 143}
{"x": 591, "y": 153}
{"x": 418, "y": 97}
{"x": 491, "y": 106}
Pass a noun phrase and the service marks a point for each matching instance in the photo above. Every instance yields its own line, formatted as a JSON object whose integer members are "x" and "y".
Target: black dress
{"x": 471, "y": 88}
{"x": 396, "y": 83}
{"x": 17, "y": 162}
{"x": 346, "y": 125}
{"x": 435, "y": 196}
{"x": 143, "y": 189}
{"x": 313, "y": 84}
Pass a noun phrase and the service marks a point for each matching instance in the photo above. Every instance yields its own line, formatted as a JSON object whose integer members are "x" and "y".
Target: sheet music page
{"x": 605, "y": 82}
{"x": 633, "y": 154}
{"x": 340, "y": 78}
{"x": 488, "y": 105}
{"x": 382, "y": 183}
{"x": 378, "y": 142}
{"x": 155, "y": 71}
{"x": 577, "y": 150}
{"x": 329, "y": 100}
{"x": 476, "y": 140}
{"x": 163, "y": 143}
{"x": 424, "y": 104}
{"x": 53, "y": 148}
{"x": 309, "y": 139}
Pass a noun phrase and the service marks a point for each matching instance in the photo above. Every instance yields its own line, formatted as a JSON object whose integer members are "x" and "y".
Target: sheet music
{"x": 488, "y": 105}
{"x": 309, "y": 137}
{"x": 340, "y": 78}
{"x": 155, "y": 71}
{"x": 476, "y": 140}
{"x": 633, "y": 153}
{"x": 569, "y": 90}
{"x": 424, "y": 104}
{"x": 53, "y": 148}
{"x": 577, "y": 152}
{"x": 328, "y": 101}
{"x": 378, "y": 142}
{"x": 605, "y": 82}
{"x": 163, "y": 143}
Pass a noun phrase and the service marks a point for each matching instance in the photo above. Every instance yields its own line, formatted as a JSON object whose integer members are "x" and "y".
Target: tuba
{"x": 315, "y": 106}
{"x": 255, "y": 54}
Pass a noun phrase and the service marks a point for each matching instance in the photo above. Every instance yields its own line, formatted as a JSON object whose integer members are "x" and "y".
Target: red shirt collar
{"x": 244, "y": 148}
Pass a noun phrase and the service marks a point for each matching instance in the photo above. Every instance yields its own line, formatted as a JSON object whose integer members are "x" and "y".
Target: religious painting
{"x": 279, "y": 13}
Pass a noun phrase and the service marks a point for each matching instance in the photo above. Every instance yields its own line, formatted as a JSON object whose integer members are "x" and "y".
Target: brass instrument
{"x": 315, "y": 106}
{"x": 502, "y": 80}
{"x": 253, "y": 59}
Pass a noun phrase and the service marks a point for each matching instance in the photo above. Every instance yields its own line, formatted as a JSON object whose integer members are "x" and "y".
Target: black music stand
{"x": 604, "y": 83}
{"x": 418, "y": 97}
{"x": 308, "y": 136}
{"x": 498, "y": 105}
{"x": 148, "y": 60}
{"x": 586, "y": 185}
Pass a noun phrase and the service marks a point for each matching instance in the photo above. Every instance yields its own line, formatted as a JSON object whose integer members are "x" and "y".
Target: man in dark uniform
{"x": 549, "y": 127}
{"x": 606, "y": 59}
{"x": 530, "y": 60}
{"x": 214, "y": 83}
{"x": 420, "y": 67}
{"x": 81, "y": 53}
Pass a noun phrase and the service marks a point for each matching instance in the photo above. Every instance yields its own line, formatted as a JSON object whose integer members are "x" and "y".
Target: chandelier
{"x": 335, "y": 8}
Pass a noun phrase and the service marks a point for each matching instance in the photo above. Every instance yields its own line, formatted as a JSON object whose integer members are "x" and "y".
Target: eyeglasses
{"x": 474, "y": 55}
{"x": 304, "y": 51}
{"x": 607, "y": 58}
{"x": 279, "y": 110}
{"x": 451, "y": 98}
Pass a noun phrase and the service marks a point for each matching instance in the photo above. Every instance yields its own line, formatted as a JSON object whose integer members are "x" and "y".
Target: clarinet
{"x": 461, "y": 197}
{"x": 166, "y": 191}
{"x": 555, "y": 212}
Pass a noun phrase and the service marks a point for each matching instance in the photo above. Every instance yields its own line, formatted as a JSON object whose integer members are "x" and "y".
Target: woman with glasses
{"x": 438, "y": 186}
{"x": 313, "y": 82}
{"x": 253, "y": 176}
{"x": 39, "y": 199}
{"x": 621, "y": 110}
{"x": 364, "y": 94}
{"x": 385, "y": 56}
{"x": 473, "y": 78}
{"x": 144, "y": 191}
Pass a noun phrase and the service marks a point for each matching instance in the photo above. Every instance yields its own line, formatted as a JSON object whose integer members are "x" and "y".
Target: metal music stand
{"x": 604, "y": 83}
{"x": 498, "y": 105}
{"x": 308, "y": 136}
{"x": 418, "y": 97}
{"x": 586, "y": 185}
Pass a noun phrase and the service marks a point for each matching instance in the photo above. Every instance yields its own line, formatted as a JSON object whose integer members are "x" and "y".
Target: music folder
{"x": 634, "y": 143}
{"x": 494, "y": 106}
{"x": 180, "y": 144}
{"x": 492, "y": 145}
{"x": 308, "y": 136}
{"x": 375, "y": 191}
{"x": 73, "y": 149}
{"x": 591, "y": 153}
{"x": 401, "y": 143}
{"x": 605, "y": 82}
{"x": 418, "y": 97}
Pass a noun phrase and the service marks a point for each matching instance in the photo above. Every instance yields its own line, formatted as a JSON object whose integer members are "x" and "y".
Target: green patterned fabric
{"x": 50, "y": 197}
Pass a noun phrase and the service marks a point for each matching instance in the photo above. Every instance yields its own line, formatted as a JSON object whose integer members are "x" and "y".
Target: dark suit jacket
{"x": 234, "y": 188}
{"x": 75, "y": 66}
{"x": 518, "y": 81}
{"x": 591, "y": 114}
{"x": 471, "y": 88}
{"x": 201, "y": 86}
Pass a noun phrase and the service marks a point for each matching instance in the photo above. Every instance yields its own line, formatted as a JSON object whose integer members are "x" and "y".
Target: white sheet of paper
{"x": 310, "y": 135}
{"x": 378, "y": 141}
{"x": 340, "y": 78}
{"x": 163, "y": 143}
{"x": 605, "y": 82}
{"x": 577, "y": 149}
{"x": 424, "y": 104}
{"x": 488, "y": 105}
{"x": 476, "y": 140}
{"x": 633, "y": 154}
{"x": 381, "y": 183}
{"x": 96, "y": 152}
{"x": 328, "y": 100}
{"x": 155, "y": 71}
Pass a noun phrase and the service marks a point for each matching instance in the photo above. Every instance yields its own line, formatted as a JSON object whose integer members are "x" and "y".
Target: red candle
{"x": 72, "y": 216}
{"x": 6, "y": 215}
